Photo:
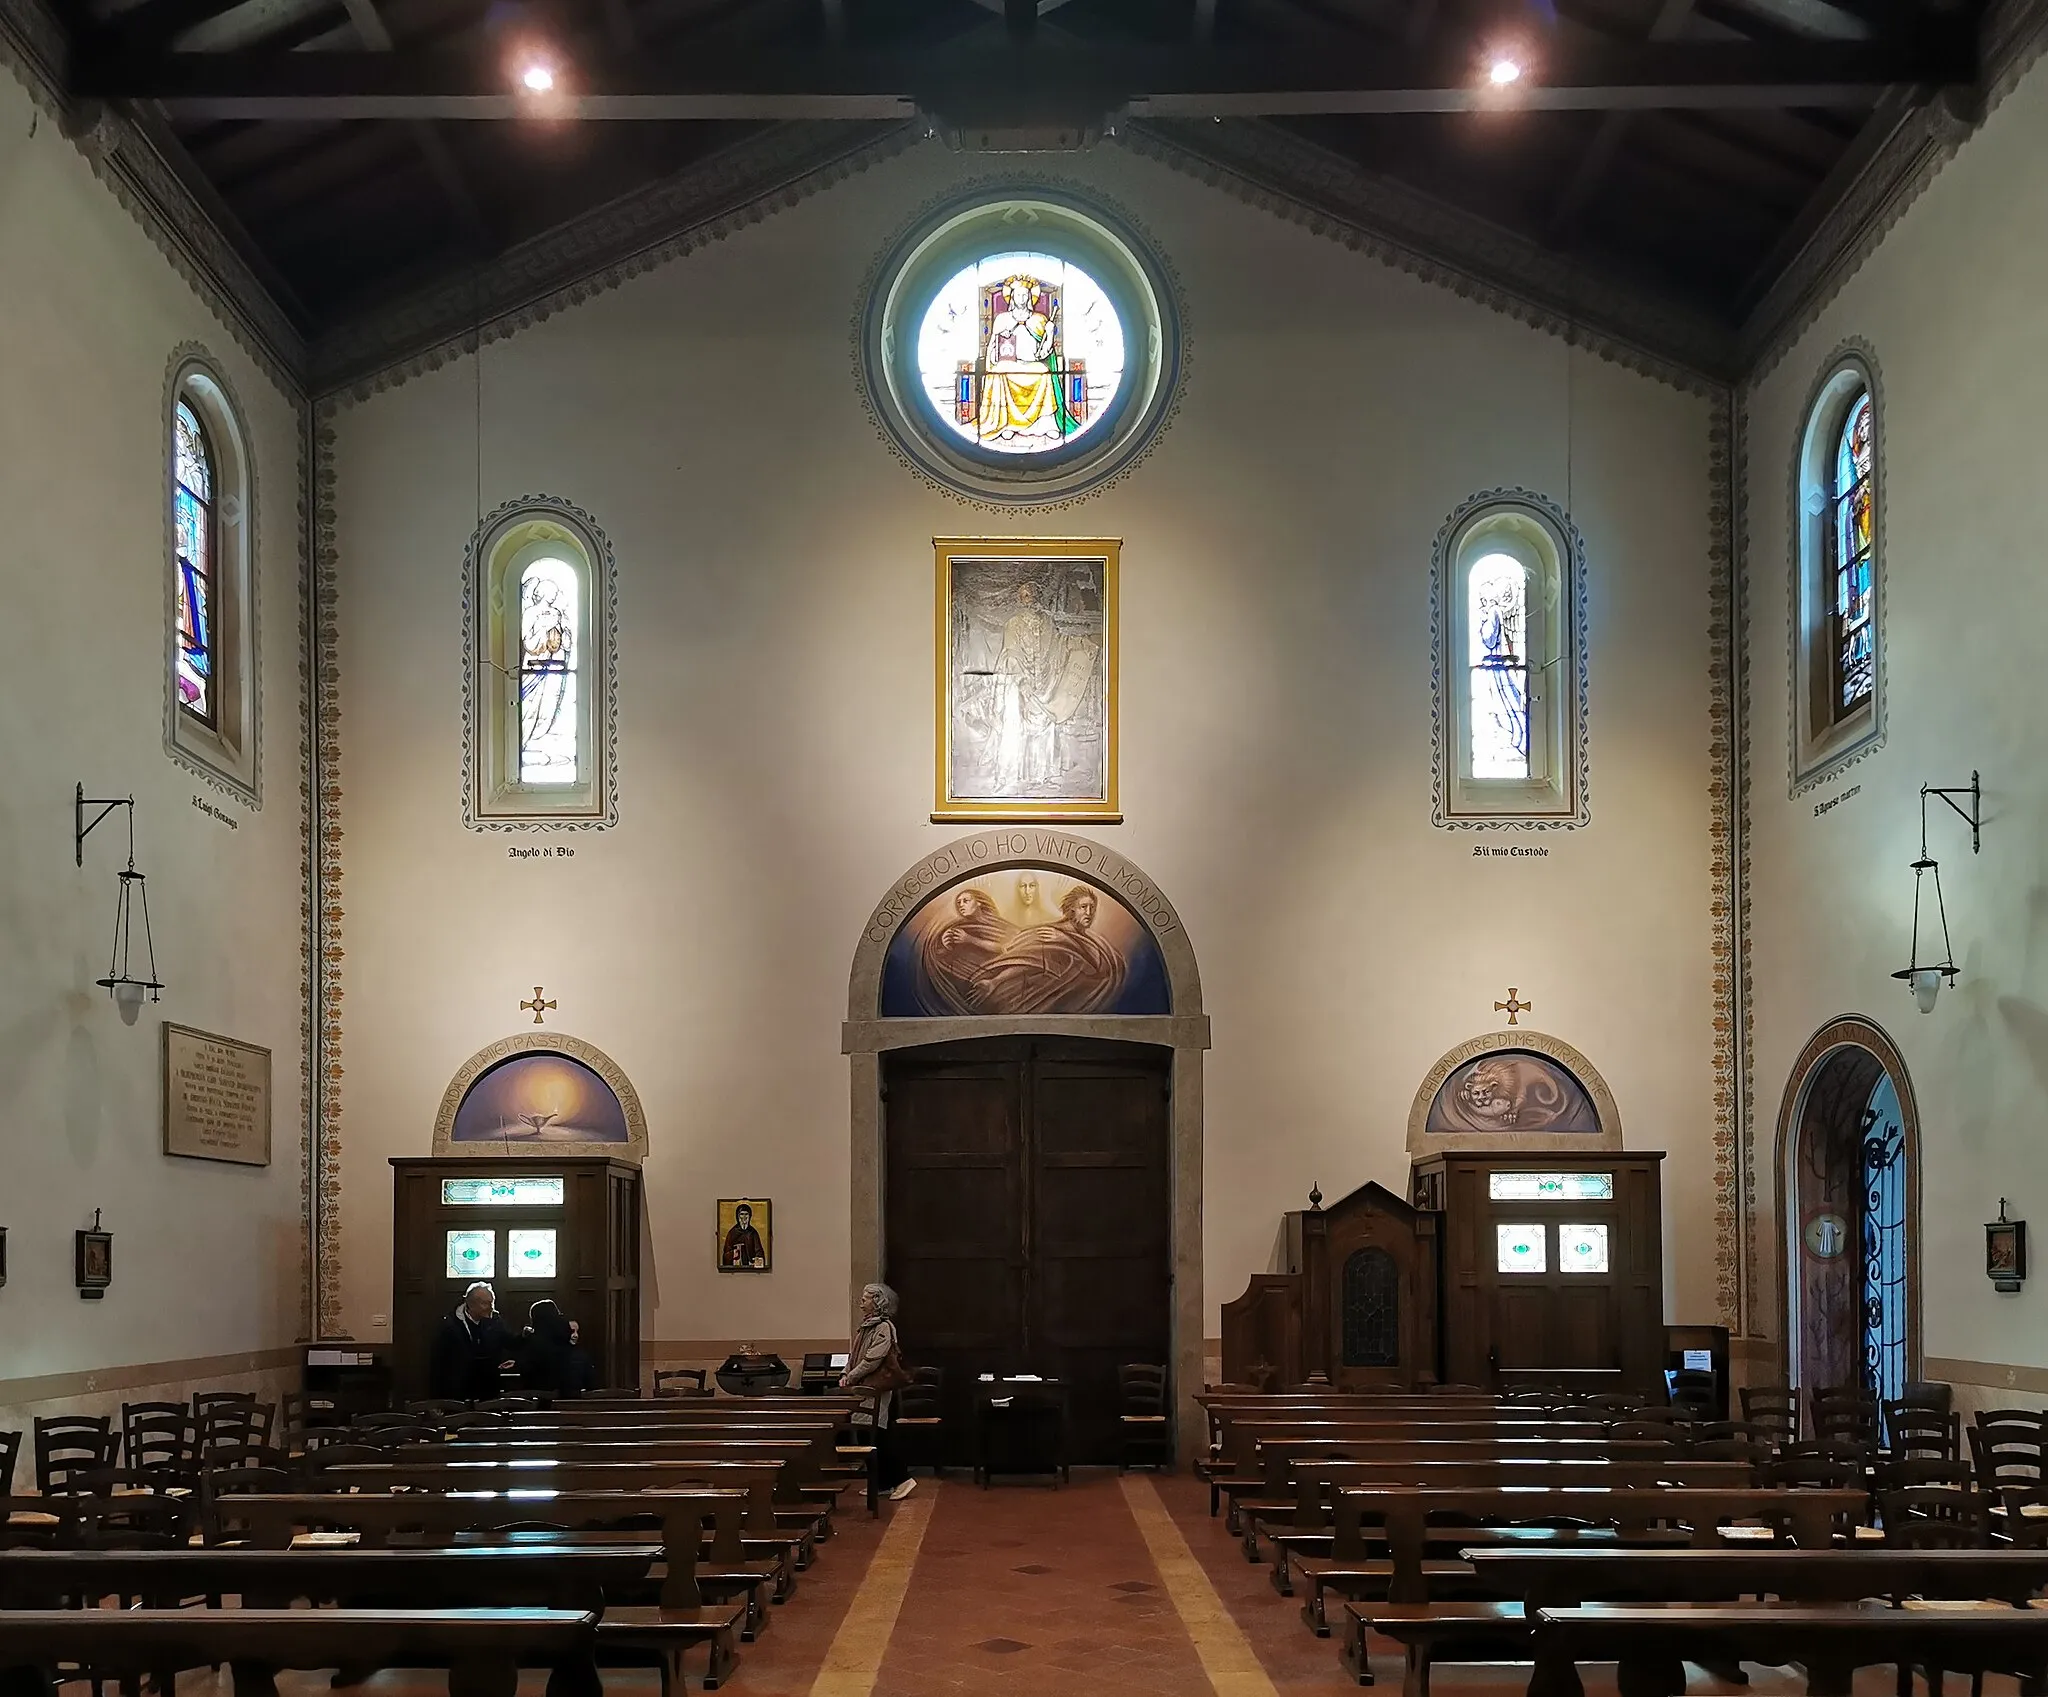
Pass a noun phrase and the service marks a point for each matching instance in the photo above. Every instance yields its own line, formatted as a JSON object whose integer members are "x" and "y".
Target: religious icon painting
{"x": 92, "y": 1260}
{"x": 2005, "y": 1252}
{"x": 1025, "y": 694}
{"x": 746, "y": 1236}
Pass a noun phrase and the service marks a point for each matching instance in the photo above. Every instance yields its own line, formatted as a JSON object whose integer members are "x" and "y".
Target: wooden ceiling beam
{"x": 434, "y": 150}
{"x": 1599, "y": 156}
{"x": 1047, "y": 77}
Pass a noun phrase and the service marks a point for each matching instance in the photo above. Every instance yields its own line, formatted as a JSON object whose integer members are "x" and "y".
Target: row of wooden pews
{"x": 1466, "y": 1527}
{"x": 480, "y": 1540}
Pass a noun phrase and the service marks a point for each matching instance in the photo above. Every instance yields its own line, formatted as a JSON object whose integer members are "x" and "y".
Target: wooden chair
{"x": 681, "y": 1381}
{"x": 2006, "y": 1447}
{"x": 157, "y": 1437}
{"x": 1845, "y": 1413}
{"x": 233, "y": 1424}
{"x": 505, "y": 1405}
{"x": 1145, "y": 1431}
{"x": 1904, "y": 1473}
{"x": 10, "y": 1452}
{"x": 1692, "y": 1393}
{"x": 120, "y": 1508}
{"x": 1773, "y": 1407}
{"x": 203, "y": 1402}
{"x": 920, "y": 1422}
{"x": 1729, "y": 1449}
{"x": 1922, "y": 1433}
{"x": 1935, "y": 1517}
{"x": 71, "y": 1444}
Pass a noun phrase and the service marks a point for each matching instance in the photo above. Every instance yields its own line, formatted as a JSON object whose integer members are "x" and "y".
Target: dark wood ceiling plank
{"x": 313, "y": 175}
{"x": 1156, "y": 82}
{"x": 433, "y": 146}
{"x": 1599, "y": 156}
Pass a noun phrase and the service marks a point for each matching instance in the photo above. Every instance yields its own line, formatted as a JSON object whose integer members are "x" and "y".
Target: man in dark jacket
{"x": 470, "y": 1346}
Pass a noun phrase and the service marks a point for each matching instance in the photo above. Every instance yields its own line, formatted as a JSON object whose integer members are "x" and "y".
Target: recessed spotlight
{"x": 1503, "y": 71}
{"x": 537, "y": 79}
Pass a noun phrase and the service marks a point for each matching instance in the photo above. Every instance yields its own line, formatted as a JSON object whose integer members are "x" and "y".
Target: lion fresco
{"x": 1514, "y": 1090}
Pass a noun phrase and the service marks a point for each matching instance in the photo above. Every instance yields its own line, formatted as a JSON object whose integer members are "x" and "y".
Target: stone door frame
{"x": 866, "y": 1036}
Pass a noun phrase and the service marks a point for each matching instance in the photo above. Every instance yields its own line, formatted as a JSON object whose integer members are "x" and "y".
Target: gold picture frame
{"x": 1025, "y": 678}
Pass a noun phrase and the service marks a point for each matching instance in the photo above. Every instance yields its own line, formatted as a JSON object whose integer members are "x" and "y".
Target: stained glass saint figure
{"x": 1850, "y": 542}
{"x": 1497, "y": 617}
{"x": 548, "y": 706}
{"x": 192, "y": 525}
{"x": 1021, "y": 352}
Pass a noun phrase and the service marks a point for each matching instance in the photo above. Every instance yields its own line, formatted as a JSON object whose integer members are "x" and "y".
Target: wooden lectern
{"x": 567, "y": 1229}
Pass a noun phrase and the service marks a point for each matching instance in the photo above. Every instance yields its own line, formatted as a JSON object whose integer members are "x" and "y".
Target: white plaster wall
{"x": 1952, "y": 304}
{"x": 775, "y": 674}
{"x": 205, "y": 1255}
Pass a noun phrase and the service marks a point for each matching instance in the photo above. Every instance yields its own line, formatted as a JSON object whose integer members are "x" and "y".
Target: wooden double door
{"x": 1028, "y": 1216}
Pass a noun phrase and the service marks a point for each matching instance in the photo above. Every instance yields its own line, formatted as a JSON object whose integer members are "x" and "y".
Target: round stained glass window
{"x": 1023, "y": 348}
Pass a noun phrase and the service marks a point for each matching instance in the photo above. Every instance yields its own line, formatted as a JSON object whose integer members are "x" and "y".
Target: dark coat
{"x": 465, "y": 1359}
{"x": 550, "y": 1363}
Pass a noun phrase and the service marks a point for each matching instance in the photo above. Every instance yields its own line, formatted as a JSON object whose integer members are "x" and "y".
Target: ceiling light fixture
{"x": 537, "y": 78}
{"x": 1504, "y": 70}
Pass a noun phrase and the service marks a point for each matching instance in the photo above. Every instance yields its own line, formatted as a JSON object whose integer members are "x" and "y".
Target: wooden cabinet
{"x": 566, "y": 1229}
{"x": 1553, "y": 1267}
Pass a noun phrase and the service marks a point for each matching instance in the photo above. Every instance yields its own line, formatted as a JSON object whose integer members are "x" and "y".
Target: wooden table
{"x": 1020, "y": 1426}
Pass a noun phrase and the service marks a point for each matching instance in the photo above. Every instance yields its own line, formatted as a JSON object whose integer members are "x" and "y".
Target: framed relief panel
{"x": 1025, "y": 693}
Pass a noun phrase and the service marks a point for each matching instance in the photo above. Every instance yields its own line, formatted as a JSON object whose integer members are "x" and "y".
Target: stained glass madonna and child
{"x": 1021, "y": 353}
{"x": 1851, "y": 545}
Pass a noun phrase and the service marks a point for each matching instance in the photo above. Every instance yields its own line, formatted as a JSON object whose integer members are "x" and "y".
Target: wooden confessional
{"x": 567, "y": 1229}
{"x": 1505, "y": 1269}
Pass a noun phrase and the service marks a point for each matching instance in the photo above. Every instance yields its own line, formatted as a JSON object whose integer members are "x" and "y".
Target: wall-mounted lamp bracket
{"x": 1973, "y": 817}
{"x": 81, "y": 827}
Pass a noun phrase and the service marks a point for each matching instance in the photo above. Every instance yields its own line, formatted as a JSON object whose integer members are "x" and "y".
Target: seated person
{"x": 471, "y": 1345}
{"x": 551, "y": 1360}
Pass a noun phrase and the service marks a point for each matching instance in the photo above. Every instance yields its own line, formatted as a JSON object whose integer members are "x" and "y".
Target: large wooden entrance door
{"x": 1028, "y": 1215}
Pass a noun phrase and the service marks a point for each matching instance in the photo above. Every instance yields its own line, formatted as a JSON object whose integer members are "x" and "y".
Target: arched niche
{"x": 1511, "y": 1065}
{"x": 868, "y": 1034}
{"x": 1831, "y": 1086}
{"x": 545, "y": 1076}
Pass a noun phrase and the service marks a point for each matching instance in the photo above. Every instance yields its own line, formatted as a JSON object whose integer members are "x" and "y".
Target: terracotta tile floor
{"x": 1022, "y": 1589}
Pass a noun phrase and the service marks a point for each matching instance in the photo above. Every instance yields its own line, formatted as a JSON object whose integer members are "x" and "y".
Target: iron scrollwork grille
{"x": 1372, "y": 1309}
{"x": 1884, "y": 1255}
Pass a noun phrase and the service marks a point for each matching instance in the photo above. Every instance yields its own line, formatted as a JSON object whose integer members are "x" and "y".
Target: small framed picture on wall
{"x": 2005, "y": 1253}
{"x": 746, "y": 1236}
{"x": 92, "y": 1260}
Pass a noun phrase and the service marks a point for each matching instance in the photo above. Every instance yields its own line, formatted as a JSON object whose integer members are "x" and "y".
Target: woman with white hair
{"x": 874, "y": 1367}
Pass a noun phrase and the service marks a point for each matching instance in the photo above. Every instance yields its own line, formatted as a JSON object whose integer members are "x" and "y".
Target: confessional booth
{"x": 1499, "y": 1269}
{"x": 567, "y": 1229}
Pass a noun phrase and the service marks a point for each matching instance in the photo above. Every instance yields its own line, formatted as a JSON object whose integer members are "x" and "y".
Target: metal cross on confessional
{"x": 1512, "y": 1006}
{"x": 537, "y": 1006}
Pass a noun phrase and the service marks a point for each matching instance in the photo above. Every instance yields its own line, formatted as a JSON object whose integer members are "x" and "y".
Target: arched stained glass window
{"x": 540, "y": 720}
{"x": 549, "y": 628}
{"x": 198, "y": 549}
{"x": 1511, "y": 673}
{"x": 211, "y": 697}
{"x": 1852, "y": 542}
{"x": 1497, "y": 640}
{"x": 1838, "y": 572}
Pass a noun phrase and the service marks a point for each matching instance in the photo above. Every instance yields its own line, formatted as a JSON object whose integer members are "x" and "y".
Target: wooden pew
{"x": 482, "y": 1649}
{"x": 1335, "y": 1476}
{"x": 1405, "y": 1574}
{"x": 759, "y": 1478}
{"x": 1652, "y": 1644}
{"x": 815, "y": 1469}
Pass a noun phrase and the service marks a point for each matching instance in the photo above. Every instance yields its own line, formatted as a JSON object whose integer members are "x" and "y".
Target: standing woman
{"x": 874, "y": 1367}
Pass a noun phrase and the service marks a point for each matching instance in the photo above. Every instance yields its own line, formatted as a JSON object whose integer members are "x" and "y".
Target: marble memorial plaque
{"x": 216, "y": 1097}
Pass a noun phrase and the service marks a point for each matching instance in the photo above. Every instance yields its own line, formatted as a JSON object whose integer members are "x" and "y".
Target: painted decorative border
{"x": 187, "y": 358}
{"x": 2012, "y": 37}
{"x": 1476, "y": 259}
{"x": 1442, "y": 721}
{"x": 542, "y": 1043}
{"x": 321, "y": 1069}
{"x": 604, "y": 562}
{"x": 1857, "y": 355}
{"x": 130, "y": 155}
{"x": 1843, "y": 1032}
{"x": 1076, "y": 481}
{"x": 1422, "y": 1141}
{"x": 590, "y": 255}
{"x": 1728, "y": 869}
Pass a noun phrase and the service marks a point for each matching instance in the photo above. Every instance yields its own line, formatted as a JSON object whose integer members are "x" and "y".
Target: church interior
{"x": 935, "y": 845}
